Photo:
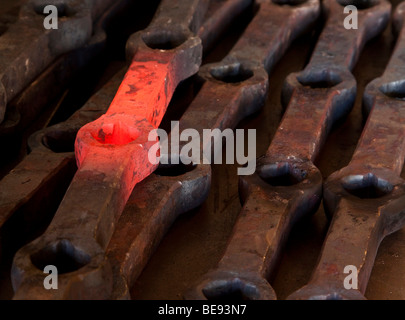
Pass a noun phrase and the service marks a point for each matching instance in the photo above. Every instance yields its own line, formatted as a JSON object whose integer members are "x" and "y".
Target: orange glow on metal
{"x": 117, "y": 143}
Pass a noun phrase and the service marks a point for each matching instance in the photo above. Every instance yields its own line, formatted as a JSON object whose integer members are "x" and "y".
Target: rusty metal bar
{"x": 366, "y": 199}
{"x": 287, "y": 185}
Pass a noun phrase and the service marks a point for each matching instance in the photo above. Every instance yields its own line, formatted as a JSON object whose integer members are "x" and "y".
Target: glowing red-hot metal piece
{"x": 123, "y": 131}
{"x": 138, "y": 108}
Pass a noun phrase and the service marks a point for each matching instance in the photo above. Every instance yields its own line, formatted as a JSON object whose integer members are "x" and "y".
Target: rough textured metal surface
{"x": 365, "y": 200}
{"x": 85, "y": 220}
{"x": 287, "y": 185}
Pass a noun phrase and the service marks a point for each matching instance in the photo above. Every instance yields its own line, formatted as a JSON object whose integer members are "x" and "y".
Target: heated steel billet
{"x": 287, "y": 185}
{"x": 112, "y": 156}
{"x": 366, "y": 199}
{"x": 234, "y": 88}
{"x": 27, "y": 47}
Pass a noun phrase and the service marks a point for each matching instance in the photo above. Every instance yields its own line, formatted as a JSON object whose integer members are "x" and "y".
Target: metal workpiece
{"x": 27, "y": 47}
{"x": 287, "y": 185}
{"x": 366, "y": 199}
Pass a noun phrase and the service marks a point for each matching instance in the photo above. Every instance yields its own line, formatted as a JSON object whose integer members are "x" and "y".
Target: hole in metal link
{"x": 173, "y": 166}
{"x": 394, "y": 89}
{"x": 323, "y": 79}
{"x": 231, "y": 73}
{"x": 282, "y": 174}
{"x": 166, "y": 39}
{"x": 230, "y": 290}
{"x": 359, "y": 4}
{"x": 366, "y": 186}
{"x": 63, "y": 255}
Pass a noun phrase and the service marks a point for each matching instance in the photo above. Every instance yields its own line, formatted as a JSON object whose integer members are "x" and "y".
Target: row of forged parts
{"x": 288, "y": 186}
{"x": 78, "y": 237}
